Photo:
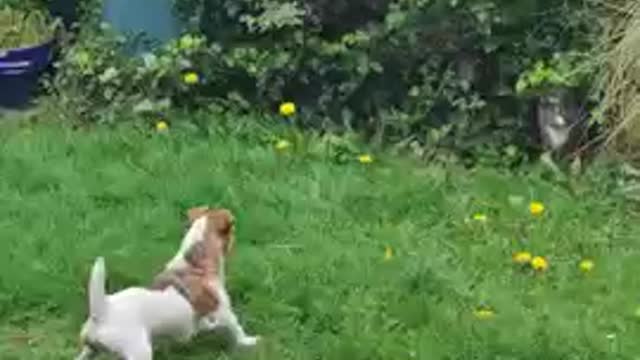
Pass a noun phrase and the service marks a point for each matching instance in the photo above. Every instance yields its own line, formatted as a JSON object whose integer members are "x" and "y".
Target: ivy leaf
{"x": 521, "y": 86}
{"x": 395, "y": 19}
{"x": 376, "y": 67}
{"x": 109, "y": 74}
{"x": 147, "y": 106}
{"x": 274, "y": 16}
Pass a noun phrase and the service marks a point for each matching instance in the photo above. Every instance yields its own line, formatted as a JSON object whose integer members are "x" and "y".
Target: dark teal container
{"x": 67, "y": 10}
{"x": 146, "y": 23}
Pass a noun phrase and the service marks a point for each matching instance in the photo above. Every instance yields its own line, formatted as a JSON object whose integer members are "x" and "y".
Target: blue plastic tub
{"x": 20, "y": 70}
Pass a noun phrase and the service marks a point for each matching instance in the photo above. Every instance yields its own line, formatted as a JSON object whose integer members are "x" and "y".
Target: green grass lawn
{"x": 309, "y": 272}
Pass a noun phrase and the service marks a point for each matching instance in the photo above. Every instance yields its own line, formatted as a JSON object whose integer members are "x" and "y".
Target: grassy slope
{"x": 308, "y": 272}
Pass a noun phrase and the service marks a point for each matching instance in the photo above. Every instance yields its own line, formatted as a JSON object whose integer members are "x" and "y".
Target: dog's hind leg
{"x": 140, "y": 352}
{"x": 134, "y": 345}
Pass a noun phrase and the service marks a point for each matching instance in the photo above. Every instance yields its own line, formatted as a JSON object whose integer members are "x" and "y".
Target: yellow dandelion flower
{"x": 586, "y": 265}
{"x": 365, "y": 159}
{"x": 522, "y": 257}
{"x": 287, "y": 109}
{"x": 480, "y": 217}
{"x": 536, "y": 208}
{"x": 162, "y": 126}
{"x": 191, "y": 78}
{"x": 483, "y": 313}
{"x": 388, "y": 253}
{"x": 282, "y": 145}
{"x": 539, "y": 263}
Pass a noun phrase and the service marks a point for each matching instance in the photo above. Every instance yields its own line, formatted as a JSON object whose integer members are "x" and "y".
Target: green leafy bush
{"x": 96, "y": 80}
{"x": 566, "y": 70}
{"x": 426, "y": 73}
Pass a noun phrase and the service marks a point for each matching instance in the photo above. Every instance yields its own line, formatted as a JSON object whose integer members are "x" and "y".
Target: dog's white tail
{"x": 97, "y": 293}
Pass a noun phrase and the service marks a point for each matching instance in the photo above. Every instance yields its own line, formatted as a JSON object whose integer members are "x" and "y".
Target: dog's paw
{"x": 248, "y": 341}
{"x": 207, "y": 324}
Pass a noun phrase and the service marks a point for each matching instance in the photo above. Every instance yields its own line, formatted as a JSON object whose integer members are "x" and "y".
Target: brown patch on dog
{"x": 198, "y": 292}
{"x": 196, "y": 254}
{"x": 204, "y": 259}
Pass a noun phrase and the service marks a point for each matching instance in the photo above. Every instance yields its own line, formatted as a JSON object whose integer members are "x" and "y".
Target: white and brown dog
{"x": 189, "y": 296}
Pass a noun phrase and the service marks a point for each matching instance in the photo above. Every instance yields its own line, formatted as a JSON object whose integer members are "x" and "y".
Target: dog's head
{"x": 219, "y": 227}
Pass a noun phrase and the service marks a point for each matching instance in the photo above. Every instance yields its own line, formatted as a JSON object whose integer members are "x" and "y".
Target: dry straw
{"x": 619, "y": 80}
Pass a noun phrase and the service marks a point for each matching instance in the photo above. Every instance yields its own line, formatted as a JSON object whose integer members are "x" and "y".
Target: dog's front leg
{"x": 208, "y": 323}
{"x": 87, "y": 353}
{"x": 225, "y": 317}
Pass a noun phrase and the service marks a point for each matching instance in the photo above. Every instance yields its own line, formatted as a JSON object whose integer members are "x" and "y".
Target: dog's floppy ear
{"x": 223, "y": 220}
{"x": 195, "y": 213}
{"x": 224, "y": 223}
